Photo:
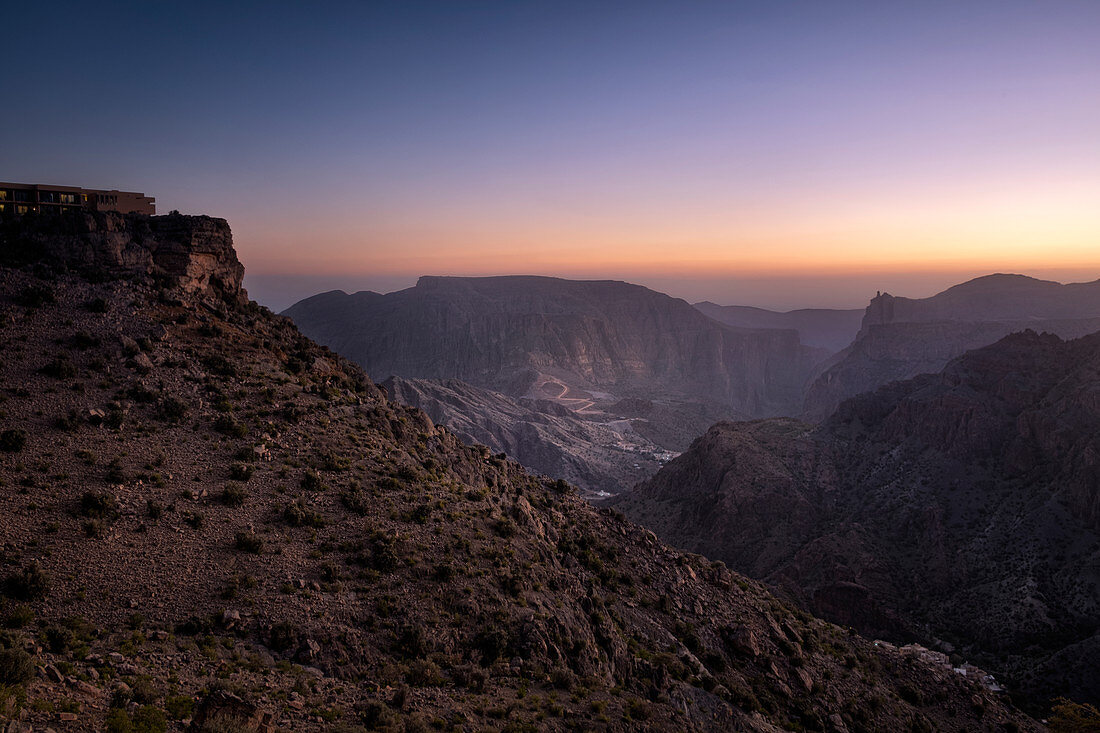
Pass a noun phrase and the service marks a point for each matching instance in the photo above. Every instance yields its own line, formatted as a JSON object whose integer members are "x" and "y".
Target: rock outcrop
{"x": 902, "y": 337}
{"x": 193, "y": 253}
{"x": 963, "y": 506}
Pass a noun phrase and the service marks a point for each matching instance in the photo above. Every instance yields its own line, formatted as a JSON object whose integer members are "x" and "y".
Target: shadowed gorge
{"x": 962, "y": 506}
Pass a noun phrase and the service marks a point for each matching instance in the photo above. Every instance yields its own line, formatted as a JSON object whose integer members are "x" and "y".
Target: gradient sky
{"x": 782, "y": 154}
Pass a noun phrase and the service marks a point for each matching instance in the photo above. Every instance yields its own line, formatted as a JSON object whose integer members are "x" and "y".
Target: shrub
{"x": 333, "y": 462}
{"x": 218, "y": 364}
{"x": 18, "y": 616}
{"x": 228, "y": 426}
{"x": 424, "y": 673}
{"x": 179, "y": 707}
{"x": 311, "y": 481}
{"x": 27, "y": 584}
{"x": 97, "y": 504}
{"x": 16, "y": 667}
{"x": 283, "y": 636}
{"x": 443, "y": 572}
{"x": 172, "y": 409}
{"x": 60, "y": 368}
{"x": 233, "y": 495}
{"x": 143, "y": 691}
{"x": 240, "y": 472}
{"x": 69, "y": 422}
{"x": 355, "y": 500}
{"x": 1067, "y": 715}
{"x": 383, "y": 553}
{"x": 470, "y": 677}
{"x": 148, "y": 719}
{"x": 249, "y": 542}
{"x": 418, "y": 514}
{"x": 84, "y": 340}
{"x": 411, "y": 643}
{"x": 299, "y": 515}
{"x": 154, "y": 509}
{"x": 59, "y": 639}
{"x": 491, "y": 643}
{"x": 505, "y": 527}
{"x": 12, "y": 441}
{"x": 911, "y": 695}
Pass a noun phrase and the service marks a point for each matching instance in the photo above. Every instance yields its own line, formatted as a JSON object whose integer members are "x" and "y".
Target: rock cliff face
{"x": 901, "y": 337}
{"x": 505, "y": 333}
{"x": 963, "y": 505}
{"x": 195, "y": 253}
{"x": 598, "y": 454}
{"x": 207, "y": 515}
{"x": 828, "y": 329}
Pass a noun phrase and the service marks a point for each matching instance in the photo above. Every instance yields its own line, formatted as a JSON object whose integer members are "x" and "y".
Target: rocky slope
{"x": 963, "y": 506}
{"x": 510, "y": 333}
{"x": 597, "y": 453}
{"x": 830, "y": 329}
{"x": 902, "y": 337}
{"x": 205, "y": 516}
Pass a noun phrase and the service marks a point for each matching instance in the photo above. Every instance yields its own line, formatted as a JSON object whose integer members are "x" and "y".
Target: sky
{"x": 779, "y": 154}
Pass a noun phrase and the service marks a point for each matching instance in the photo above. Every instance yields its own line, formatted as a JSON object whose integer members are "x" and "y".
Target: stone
{"x": 742, "y": 640}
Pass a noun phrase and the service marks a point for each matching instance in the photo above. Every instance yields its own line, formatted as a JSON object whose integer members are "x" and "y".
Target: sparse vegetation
{"x": 249, "y": 542}
{"x": 12, "y": 441}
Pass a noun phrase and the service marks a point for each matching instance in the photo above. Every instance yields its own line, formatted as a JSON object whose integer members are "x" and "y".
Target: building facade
{"x": 24, "y": 198}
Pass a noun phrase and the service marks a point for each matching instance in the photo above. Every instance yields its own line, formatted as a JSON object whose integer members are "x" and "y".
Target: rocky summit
{"x": 961, "y": 509}
{"x": 209, "y": 521}
{"x": 902, "y": 337}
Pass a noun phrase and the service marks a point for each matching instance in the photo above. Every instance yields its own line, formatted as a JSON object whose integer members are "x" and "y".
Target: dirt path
{"x": 576, "y": 404}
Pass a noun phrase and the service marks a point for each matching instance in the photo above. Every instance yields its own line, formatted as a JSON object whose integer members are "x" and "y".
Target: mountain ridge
{"x": 902, "y": 337}
{"x": 961, "y": 505}
{"x": 607, "y": 335}
{"x": 209, "y": 518}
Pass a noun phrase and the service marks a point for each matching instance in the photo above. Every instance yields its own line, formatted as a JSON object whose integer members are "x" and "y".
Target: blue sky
{"x": 702, "y": 147}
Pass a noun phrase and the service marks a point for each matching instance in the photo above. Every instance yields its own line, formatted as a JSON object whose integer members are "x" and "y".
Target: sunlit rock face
{"x": 508, "y": 333}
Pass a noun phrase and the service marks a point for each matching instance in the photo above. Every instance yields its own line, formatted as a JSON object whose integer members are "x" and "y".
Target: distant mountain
{"x": 514, "y": 334}
{"x": 598, "y": 455}
{"x": 963, "y": 506}
{"x": 902, "y": 337}
{"x": 824, "y": 328}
